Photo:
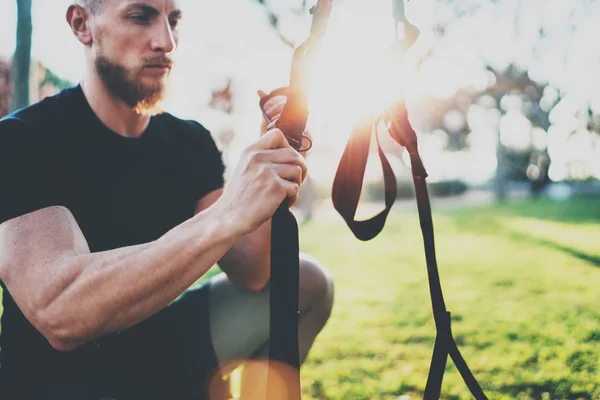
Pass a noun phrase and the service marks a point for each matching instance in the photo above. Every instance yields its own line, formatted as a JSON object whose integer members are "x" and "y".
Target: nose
{"x": 164, "y": 39}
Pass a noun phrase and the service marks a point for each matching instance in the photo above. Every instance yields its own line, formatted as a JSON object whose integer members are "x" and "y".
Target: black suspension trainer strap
{"x": 345, "y": 195}
{"x": 346, "y": 192}
{"x": 403, "y": 133}
{"x": 284, "y": 292}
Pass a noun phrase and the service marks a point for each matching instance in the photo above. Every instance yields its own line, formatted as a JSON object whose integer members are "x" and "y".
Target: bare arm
{"x": 71, "y": 295}
{"x": 247, "y": 262}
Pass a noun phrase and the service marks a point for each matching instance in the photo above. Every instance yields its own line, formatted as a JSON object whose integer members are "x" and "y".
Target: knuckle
{"x": 249, "y": 152}
{"x": 263, "y": 172}
{"x": 291, "y": 152}
{"x": 255, "y": 157}
{"x": 275, "y": 187}
{"x": 278, "y": 133}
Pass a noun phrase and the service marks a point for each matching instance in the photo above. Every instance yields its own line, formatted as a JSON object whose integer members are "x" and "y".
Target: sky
{"x": 232, "y": 38}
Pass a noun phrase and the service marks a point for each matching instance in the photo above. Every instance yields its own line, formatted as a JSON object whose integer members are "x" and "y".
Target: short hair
{"x": 93, "y": 5}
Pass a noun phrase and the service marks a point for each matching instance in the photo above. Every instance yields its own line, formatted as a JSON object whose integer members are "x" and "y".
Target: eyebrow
{"x": 151, "y": 11}
{"x": 176, "y": 14}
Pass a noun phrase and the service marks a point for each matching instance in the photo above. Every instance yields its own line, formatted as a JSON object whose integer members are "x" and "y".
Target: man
{"x": 110, "y": 210}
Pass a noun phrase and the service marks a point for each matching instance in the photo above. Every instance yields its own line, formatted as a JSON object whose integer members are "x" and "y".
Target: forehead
{"x": 159, "y": 5}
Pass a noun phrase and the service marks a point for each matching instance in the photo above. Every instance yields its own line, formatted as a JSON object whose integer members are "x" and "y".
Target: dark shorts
{"x": 168, "y": 356}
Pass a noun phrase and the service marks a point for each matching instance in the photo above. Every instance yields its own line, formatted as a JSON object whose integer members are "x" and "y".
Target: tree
{"x": 5, "y": 87}
{"x": 291, "y": 9}
{"x": 521, "y": 75}
{"x": 22, "y": 57}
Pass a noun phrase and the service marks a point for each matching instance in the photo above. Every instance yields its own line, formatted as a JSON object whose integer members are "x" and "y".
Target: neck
{"x": 113, "y": 112}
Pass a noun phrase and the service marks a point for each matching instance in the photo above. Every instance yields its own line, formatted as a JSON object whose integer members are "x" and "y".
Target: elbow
{"x": 256, "y": 286}
{"x": 62, "y": 345}
{"x": 252, "y": 275}
{"x": 260, "y": 277}
{"x": 249, "y": 283}
{"x": 63, "y": 335}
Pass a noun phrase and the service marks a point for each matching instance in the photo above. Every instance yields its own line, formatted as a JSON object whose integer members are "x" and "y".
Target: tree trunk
{"x": 22, "y": 57}
{"x": 501, "y": 181}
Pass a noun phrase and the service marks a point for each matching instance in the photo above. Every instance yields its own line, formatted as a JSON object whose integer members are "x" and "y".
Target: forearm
{"x": 248, "y": 262}
{"x": 113, "y": 290}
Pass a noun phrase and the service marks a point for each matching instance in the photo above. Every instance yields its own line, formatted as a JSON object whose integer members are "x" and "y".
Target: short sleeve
{"x": 207, "y": 159}
{"x": 24, "y": 173}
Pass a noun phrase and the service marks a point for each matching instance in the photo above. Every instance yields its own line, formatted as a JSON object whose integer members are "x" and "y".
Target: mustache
{"x": 162, "y": 60}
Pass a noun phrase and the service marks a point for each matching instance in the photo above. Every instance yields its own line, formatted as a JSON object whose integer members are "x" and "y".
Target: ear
{"x": 78, "y": 20}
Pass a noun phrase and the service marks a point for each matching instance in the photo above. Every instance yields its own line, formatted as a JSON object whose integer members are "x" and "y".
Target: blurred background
{"x": 505, "y": 94}
{"x": 505, "y": 98}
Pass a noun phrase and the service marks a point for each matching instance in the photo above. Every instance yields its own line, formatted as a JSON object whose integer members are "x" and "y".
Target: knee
{"x": 316, "y": 285}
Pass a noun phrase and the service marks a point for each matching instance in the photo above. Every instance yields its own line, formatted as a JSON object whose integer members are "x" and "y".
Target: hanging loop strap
{"x": 346, "y": 193}
{"x": 349, "y": 177}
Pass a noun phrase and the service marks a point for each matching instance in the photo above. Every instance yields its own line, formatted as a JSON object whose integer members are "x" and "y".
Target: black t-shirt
{"x": 121, "y": 191}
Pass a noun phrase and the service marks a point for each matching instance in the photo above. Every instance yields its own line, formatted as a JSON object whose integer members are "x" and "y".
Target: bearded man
{"x": 111, "y": 209}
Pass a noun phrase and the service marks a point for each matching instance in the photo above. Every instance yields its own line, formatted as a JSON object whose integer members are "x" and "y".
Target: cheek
{"x": 123, "y": 48}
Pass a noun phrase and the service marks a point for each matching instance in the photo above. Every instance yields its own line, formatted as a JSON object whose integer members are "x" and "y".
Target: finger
{"x": 273, "y": 139}
{"x": 291, "y": 201}
{"x": 292, "y": 190}
{"x": 274, "y": 110}
{"x": 291, "y": 173}
{"x": 275, "y": 101}
{"x": 301, "y": 162}
{"x": 287, "y": 156}
{"x": 263, "y": 127}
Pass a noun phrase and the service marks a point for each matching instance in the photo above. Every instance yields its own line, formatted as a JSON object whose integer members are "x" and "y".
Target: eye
{"x": 174, "y": 23}
{"x": 141, "y": 19}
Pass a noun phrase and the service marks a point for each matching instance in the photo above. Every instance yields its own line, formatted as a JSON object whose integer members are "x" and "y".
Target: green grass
{"x": 522, "y": 281}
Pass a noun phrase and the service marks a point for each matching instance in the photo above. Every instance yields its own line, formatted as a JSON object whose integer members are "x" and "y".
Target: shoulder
{"x": 14, "y": 133}
{"x": 36, "y": 118}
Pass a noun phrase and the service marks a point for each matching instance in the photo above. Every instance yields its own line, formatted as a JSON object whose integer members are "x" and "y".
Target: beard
{"x": 142, "y": 98}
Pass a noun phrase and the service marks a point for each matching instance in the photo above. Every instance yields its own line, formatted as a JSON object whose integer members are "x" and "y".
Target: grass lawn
{"x": 522, "y": 281}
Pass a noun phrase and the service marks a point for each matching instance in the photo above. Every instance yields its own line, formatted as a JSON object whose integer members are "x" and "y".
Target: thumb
{"x": 273, "y": 139}
{"x": 260, "y": 93}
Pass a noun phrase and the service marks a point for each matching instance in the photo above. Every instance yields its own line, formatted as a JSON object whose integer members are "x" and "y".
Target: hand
{"x": 268, "y": 172}
{"x": 273, "y": 108}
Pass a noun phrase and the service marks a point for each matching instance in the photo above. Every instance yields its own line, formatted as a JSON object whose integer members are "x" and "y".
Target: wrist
{"x": 225, "y": 218}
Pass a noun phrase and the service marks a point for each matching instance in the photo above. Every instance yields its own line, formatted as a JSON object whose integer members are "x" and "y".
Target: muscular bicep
{"x": 31, "y": 249}
{"x": 208, "y": 200}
